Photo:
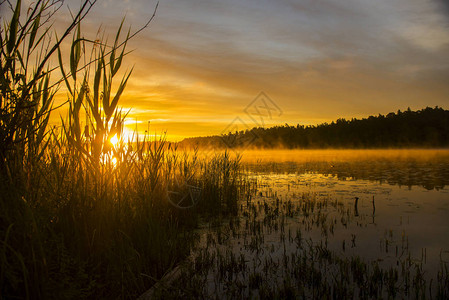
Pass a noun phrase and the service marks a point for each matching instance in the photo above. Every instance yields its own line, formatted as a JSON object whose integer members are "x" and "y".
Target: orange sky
{"x": 201, "y": 63}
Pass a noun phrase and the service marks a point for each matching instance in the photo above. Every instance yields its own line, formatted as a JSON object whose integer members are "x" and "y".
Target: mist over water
{"x": 402, "y": 191}
{"x": 414, "y": 167}
{"x": 316, "y": 224}
{"x": 388, "y": 208}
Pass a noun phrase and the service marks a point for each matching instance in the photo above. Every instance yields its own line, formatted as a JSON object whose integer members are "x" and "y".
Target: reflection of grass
{"x": 84, "y": 213}
{"x": 283, "y": 249}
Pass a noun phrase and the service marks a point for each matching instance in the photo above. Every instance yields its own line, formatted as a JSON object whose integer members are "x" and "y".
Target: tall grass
{"x": 79, "y": 216}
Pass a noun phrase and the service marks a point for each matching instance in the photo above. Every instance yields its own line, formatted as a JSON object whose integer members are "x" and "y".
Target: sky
{"x": 201, "y": 65}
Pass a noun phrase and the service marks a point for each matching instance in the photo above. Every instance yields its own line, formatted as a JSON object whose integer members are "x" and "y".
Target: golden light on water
{"x": 340, "y": 155}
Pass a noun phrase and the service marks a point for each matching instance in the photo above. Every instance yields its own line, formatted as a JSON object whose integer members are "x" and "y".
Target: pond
{"x": 328, "y": 223}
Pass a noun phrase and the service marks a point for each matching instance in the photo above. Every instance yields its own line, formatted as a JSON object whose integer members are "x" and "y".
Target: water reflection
{"x": 400, "y": 191}
{"x": 330, "y": 224}
{"x": 425, "y": 168}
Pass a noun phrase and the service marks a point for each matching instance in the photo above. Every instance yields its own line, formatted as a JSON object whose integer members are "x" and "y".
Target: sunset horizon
{"x": 224, "y": 149}
{"x": 200, "y": 64}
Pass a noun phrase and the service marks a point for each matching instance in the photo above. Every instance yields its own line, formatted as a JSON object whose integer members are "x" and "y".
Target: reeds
{"x": 288, "y": 248}
{"x": 81, "y": 217}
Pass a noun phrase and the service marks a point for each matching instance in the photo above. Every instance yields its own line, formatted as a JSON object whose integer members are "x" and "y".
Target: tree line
{"x": 428, "y": 127}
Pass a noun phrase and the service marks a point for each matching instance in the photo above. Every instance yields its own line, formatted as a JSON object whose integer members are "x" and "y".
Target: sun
{"x": 114, "y": 141}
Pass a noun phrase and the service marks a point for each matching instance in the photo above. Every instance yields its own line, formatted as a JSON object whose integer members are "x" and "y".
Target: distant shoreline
{"x": 427, "y": 128}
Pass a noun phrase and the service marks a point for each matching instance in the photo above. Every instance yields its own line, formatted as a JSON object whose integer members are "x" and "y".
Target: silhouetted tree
{"x": 428, "y": 127}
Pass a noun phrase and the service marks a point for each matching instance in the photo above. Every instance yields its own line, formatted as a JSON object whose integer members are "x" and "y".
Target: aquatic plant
{"x": 80, "y": 216}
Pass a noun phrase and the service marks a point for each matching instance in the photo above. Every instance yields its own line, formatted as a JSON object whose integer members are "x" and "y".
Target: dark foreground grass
{"x": 79, "y": 216}
{"x": 68, "y": 233}
{"x": 83, "y": 218}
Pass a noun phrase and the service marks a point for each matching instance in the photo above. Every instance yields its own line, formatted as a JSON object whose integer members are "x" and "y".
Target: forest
{"x": 425, "y": 128}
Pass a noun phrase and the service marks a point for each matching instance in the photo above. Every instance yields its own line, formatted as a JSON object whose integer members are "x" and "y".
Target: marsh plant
{"x": 304, "y": 246}
{"x": 80, "y": 216}
{"x": 87, "y": 212}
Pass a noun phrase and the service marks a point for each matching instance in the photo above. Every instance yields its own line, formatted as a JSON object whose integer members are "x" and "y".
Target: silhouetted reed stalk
{"x": 81, "y": 217}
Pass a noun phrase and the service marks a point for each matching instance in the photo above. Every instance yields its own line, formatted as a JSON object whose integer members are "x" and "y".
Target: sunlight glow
{"x": 114, "y": 141}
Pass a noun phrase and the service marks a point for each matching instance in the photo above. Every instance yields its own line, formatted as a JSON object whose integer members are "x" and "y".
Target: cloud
{"x": 201, "y": 62}
{"x": 444, "y": 6}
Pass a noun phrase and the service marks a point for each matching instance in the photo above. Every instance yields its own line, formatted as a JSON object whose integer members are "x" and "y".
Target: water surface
{"x": 401, "y": 192}
{"x": 330, "y": 223}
